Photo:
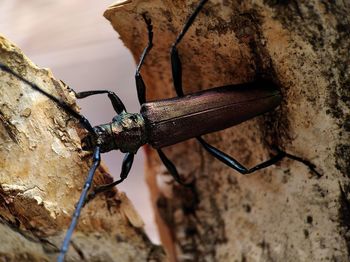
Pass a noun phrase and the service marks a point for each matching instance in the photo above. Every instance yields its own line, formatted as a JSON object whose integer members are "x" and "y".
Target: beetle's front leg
{"x": 126, "y": 166}
{"x": 115, "y": 100}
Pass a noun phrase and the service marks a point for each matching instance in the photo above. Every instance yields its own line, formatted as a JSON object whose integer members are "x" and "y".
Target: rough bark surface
{"x": 282, "y": 213}
{"x": 42, "y": 173}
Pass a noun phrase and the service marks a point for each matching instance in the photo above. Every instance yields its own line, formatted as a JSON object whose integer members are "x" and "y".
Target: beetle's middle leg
{"x": 141, "y": 94}
{"x": 177, "y": 79}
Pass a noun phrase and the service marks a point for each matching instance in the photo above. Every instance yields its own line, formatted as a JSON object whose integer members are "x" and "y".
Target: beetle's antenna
{"x": 87, "y": 185}
{"x": 82, "y": 119}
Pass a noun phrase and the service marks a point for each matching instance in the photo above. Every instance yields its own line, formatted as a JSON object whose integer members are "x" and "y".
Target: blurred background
{"x": 78, "y": 44}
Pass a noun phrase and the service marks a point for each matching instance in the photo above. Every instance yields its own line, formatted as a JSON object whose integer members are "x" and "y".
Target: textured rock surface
{"x": 282, "y": 213}
{"x": 42, "y": 173}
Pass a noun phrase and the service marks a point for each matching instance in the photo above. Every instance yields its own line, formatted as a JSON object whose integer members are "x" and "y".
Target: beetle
{"x": 185, "y": 116}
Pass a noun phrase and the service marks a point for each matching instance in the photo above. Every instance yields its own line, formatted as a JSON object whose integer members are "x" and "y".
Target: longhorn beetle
{"x": 185, "y": 117}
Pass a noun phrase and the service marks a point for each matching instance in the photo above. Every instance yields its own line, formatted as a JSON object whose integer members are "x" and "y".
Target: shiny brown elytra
{"x": 177, "y": 119}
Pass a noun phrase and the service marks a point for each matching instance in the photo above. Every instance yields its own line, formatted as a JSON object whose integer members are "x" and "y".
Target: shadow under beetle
{"x": 184, "y": 117}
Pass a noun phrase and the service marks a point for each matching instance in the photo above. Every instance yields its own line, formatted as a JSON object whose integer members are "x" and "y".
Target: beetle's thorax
{"x": 126, "y": 132}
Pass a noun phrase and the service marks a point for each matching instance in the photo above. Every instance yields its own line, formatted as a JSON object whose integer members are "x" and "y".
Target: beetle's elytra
{"x": 206, "y": 111}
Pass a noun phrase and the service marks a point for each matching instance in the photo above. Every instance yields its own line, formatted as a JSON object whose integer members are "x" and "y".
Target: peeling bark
{"x": 282, "y": 213}
{"x": 42, "y": 173}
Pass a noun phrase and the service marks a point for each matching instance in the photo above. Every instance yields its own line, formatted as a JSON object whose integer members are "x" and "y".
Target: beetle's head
{"x": 102, "y": 136}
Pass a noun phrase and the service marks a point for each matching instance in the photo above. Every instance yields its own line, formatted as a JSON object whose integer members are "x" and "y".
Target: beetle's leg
{"x": 171, "y": 168}
{"x": 307, "y": 163}
{"x": 177, "y": 79}
{"x": 80, "y": 204}
{"x": 140, "y": 85}
{"x": 82, "y": 119}
{"x": 126, "y": 166}
{"x": 231, "y": 162}
{"x": 141, "y": 93}
{"x": 115, "y": 100}
{"x": 175, "y": 59}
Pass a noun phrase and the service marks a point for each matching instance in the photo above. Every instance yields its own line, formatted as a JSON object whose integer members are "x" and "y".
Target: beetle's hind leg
{"x": 231, "y": 162}
{"x": 171, "y": 168}
{"x": 306, "y": 162}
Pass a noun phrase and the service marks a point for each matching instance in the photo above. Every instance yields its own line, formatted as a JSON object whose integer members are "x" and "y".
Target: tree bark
{"x": 43, "y": 169}
{"x": 281, "y": 213}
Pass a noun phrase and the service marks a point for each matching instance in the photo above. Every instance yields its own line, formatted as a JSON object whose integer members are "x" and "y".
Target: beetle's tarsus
{"x": 307, "y": 163}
